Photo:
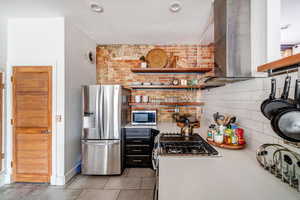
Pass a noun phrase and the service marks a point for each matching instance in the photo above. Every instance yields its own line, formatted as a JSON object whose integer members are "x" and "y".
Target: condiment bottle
{"x": 227, "y": 136}
{"x": 210, "y": 133}
{"x": 240, "y": 135}
{"x": 234, "y": 139}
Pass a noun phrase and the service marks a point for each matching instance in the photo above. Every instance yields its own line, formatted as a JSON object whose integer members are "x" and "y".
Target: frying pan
{"x": 271, "y": 107}
{"x": 271, "y": 97}
{"x": 286, "y": 123}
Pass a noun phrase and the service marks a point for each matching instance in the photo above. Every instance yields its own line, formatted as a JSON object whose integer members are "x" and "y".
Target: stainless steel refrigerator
{"x": 105, "y": 114}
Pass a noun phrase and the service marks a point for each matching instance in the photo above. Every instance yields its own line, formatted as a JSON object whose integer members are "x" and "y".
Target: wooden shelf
{"x": 166, "y": 87}
{"x": 284, "y": 62}
{"x": 169, "y": 104}
{"x": 143, "y": 104}
{"x": 172, "y": 70}
{"x": 183, "y": 103}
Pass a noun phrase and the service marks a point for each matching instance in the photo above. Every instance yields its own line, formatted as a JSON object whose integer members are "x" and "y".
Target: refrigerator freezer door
{"x": 90, "y": 109}
{"x": 101, "y": 157}
{"x": 110, "y": 112}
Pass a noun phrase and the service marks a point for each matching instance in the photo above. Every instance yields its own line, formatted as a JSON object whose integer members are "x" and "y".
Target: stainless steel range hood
{"x": 232, "y": 40}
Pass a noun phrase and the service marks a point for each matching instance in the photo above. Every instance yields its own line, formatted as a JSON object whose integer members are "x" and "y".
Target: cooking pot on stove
{"x": 187, "y": 131}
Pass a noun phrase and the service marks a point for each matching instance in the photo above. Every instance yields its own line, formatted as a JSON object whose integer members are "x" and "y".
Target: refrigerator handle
{"x": 97, "y": 110}
{"x": 101, "y": 112}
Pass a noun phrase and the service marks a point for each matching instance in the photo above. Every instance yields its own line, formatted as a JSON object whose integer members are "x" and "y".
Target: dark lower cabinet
{"x": 138, "y": 146}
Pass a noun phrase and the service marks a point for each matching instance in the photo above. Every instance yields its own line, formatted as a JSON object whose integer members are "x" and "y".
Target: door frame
{"x": 2, "y": 172}
{"x": 58, "y": 140}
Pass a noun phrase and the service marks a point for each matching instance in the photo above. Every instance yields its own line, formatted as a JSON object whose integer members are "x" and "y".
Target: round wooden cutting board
{"x": 157, "y": 58}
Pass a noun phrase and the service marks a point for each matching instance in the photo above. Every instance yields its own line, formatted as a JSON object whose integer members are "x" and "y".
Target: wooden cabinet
{"x": 138, "y": 146}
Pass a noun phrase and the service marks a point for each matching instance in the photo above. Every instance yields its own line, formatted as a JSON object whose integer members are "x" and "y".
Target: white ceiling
{"x": 290, "y": 14}
{"x": 131, "y": 21}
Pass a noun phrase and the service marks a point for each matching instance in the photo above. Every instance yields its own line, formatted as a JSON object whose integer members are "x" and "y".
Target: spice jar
{"x": 211, "y": 132}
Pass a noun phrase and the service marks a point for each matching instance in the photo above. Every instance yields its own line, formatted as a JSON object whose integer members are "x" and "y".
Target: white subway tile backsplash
{"x": 243, "y": 99}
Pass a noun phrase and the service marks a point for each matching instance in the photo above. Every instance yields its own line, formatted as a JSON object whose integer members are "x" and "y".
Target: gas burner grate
{"x": 177, "y": 144}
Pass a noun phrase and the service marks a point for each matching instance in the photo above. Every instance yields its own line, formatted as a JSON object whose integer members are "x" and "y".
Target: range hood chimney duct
{"x": 232, "y": 35}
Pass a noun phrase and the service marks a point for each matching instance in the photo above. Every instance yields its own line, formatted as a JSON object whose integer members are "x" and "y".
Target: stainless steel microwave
{"x": 143, "y": 117}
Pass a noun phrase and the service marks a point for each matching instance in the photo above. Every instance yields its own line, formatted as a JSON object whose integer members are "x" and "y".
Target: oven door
{"x": 143, "y": 117}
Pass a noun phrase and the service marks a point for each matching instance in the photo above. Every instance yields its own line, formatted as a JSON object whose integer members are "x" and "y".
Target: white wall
{"x": 258, "y": 34}
{"x": 243, "y": 99}
{"x": 273, "y": 29}
{"x": 290, "y": 15}
{"x": 78, "y": 72}
{"x": 38, "y": 42}
{"x": 3, "y": 26}
{"x": 265, "y": 33}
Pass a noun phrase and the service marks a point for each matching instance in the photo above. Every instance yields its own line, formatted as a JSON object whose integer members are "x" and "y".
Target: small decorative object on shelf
{"x": 143, "y": 62}
{"x": 172, "y": 62}
{"x": 225, "y": 133}
{"x": 157, "y": 58}
{"x": 137, "y": 99}
{"x": 175, "y": 81}
{"x": 183, "y": 82}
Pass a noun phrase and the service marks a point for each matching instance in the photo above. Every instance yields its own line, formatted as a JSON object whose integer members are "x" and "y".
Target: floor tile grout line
{"x": 81, "y": 191}
{"x": 118, "y": 195}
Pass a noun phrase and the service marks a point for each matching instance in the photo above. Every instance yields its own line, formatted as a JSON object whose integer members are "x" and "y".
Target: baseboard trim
{"x": 62, "y": 180}
{"x": 2, "y": 178}
{"x": 57, "y": 180}
{"x": 5, "y": 178}
{"x": 71, "y": 173}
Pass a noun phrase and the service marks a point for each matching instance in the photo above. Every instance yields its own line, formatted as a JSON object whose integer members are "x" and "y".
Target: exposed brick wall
{"x": 115, "y": 61}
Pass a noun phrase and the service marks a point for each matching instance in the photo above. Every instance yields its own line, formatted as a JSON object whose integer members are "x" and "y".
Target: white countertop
{"x": 234, "y": 176}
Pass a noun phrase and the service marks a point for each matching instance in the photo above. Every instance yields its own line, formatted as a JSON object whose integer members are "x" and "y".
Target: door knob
{"x": 46, "y": 131}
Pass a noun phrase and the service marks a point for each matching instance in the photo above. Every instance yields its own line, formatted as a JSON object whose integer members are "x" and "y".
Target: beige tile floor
{"x": 134, "y": 184}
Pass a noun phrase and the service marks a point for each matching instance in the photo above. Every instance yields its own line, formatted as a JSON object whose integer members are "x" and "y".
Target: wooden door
{"x": 1, "y": 121}
{"x": 32, "y": 123}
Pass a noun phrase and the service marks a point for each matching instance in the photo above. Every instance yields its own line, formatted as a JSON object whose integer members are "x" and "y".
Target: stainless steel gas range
{"x": 174, "y": 144}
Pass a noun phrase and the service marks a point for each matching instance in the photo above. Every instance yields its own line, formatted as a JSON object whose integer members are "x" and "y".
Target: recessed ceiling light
{"x": 95, "y": 7}
{"x": 285, "y": 26}
{"x": 175, "y": 6}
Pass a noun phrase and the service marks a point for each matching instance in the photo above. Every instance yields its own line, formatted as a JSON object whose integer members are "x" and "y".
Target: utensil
{"x": 273, "y": 106}
{"x": 287, "y": 122}
{"x": 215, "y": 116}
{"x": 232, "y": 120}
{"x": 227, "y": 120}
